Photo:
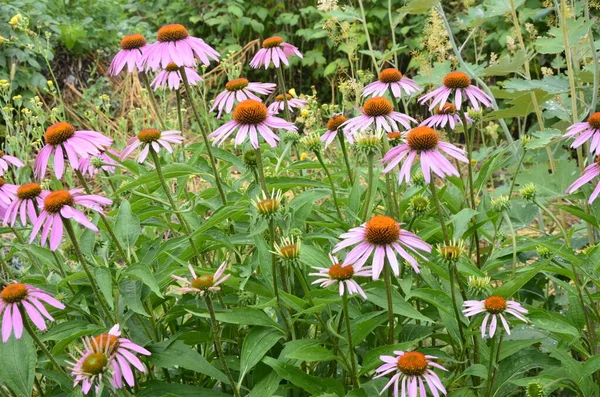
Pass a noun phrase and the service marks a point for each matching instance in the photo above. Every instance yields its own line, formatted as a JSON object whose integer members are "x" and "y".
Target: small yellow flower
{"x": 303, "y": 156}
{"x": 473, "y": 161}
{"x": 15, "y": 19}
{"x": 50, "y": 83}
{"x": 292, "y": 92}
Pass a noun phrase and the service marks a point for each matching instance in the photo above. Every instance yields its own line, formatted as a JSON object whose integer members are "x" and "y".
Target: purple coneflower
{"x": 423, "y": 142}
{"x": 238, "y": 90}
{"x": 101, "y": 161}
{"x": 446, "y": 115}
{"x": 62, "y": 140}
{"x": 171, "y": 77}
{"x": 412, "y": 371}
{"x": 250, "y": 118}
{"x": 391, "y": 79}
{"x": 275, "y": 50}
{"x": 458, "y": 83}
{"x": 176, "y": 45}
{"x": 131, "y": 54}
{"x": 384, "y": 237}
{"x": 494, "y": 306}
{"x": 8, "y": 193}
{"x": 343, "y": 276}
{"x": 151, "y": 137}
{"x": 590, "y": 172}
{"x": 5, "y": 160}
{"x": 16, "y": 297}
{"x": 378, "y": 111}
{"x": 279, "y": 104}
{"x": 586, "y": 130}
{"x": 203, "y": 284}
{"x": 28, "y": 198}
{"x": 333, "y": 125}
{"x": 59, "y": 205}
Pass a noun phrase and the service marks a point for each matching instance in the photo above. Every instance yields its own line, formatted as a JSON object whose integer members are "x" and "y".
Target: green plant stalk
{"x": 353, "y": 371}
{"x": 494, "y": 356}
{"x": 213, "y": 162}
{"x": 179, "y": 115}
{"x": 261, "y": 171}
{"x": 393, "y": 30}
{"x": 218, "y": 345}
{"x": 369, "y": 186}
{"x": 514, "y": 242}
{"x": 387, "y": 276}
{"x": 438, "y": 207}
{"x": 333, "y": 190}
{"x": 274, "y": 261}
{"x": 390, "y": 196}
{"x": 6, "y": 267}
{"x": 284, "y": 93}
{"x": 469, "y": 144}
{"x": 340, "y": 135}
{"x": 367, "y": 35}
{"x": 152, "y": 99}
{"x": 81, "y": 258}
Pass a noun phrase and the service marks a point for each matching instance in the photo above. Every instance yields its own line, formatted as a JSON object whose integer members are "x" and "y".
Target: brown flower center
{"x": 29, "y": 191}
{"x": 250, "y": 112}
{"x": 1, "y": 153}
{"x": 172, "y": 67}
{"x": 267, "y": 206}
{"x": 105, "y": 343}
{"x": 422, "y": 138}
{"x": 271, "y": 42}
{"x": 594, "y": 120}
{"x": 58, "y": 133}
{"x": 203, "y": 282}
{"x": 133, "y": 41}
{"x": 236, "y": 84}
{"x": 377, "y": 106}
{"x": 598, "y": 160}
{"x": 412, "y": 363}
{"x": 394, "y": 135}
{"x": 279, "y": 98}
{"x": 457, "y": 80}
{"x": 334, "y": 123}
{"x": 390, "y": 75}
{"x": 447, "y": 108}
{"x": 2, "y": 181}
{"x": 495, "y": 304}
{"x": 13, "y": 293}
{"x": 148, "y": 135}
{"x": 94, "y": 363}
{"x": 54, "y": 202}
{"x": 341, "y": 273}
{"x": 174, "y": 32}
{"x": 450, "y": 252}
{"x": 382, "y": 230}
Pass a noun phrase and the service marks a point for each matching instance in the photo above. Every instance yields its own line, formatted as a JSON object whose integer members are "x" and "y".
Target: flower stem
{"x": 218, "y": 345}
{"x": 438, "y": 207}
{"x": 469, "y": 145}
{"x": 152, "y": 99}
{"x": 179, "y": 115}
{"x": 387, "y": 276}
{"x": 333, "y": 192}
{"x": 274, "y": 261}
{"x": 494, "y": 355}
{"x": 350, "y": 344}
{"x": 364, "y": 23}
{"x": 369, "y": 186}
{"x": 284, "y": 92}
{"x": 261, "y": 171}
{"x": 455, "y": 303}
{"x": 389, "y": 185}
{"x": 345, "y": 154}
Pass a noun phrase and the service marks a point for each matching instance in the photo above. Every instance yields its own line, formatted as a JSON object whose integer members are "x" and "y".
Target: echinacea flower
{"x": 151, "y": 139}
{"x": 446, "y": 115}
{"x": 292, "y": 103}
{"x": 586, "y": 131}
{"x": 16, "y": 297}
{"x": 8, "y": 193}
{"x": 378, "y": 111}
{"x": 63, "y": 141}
{"x": 250, "y": 118}
{"x": 238, "y": 90}
{"x": 5, "y": 160}
{"x": 333, "y": 125}
{"x": 395, "y": 138}
{"x": 268, "y": 206}
{"x": 101, "y": 161}
{"x": 384, "y": 237}
{"x": 174, "y": 44}
{"x": 391, "y": 79}
{"x": 459, "y": 84}
{"x": 59, "y": 205}
{"x": 342, "y": 275}
{"x": 590, "y": 172}
{"x": 276, "y": 50}
{"x": 203, "y": 284}
{"x": 423, "y": 142}
{"x": 130, "y": 55}
{"x": 171, "y": 77}
{"x": 28, "y": 198}
{"x": 413, "y": 370}
{"x": 494, "y": 306}
{"x": 288, "y": 249}
{"x": 89, "y": 369}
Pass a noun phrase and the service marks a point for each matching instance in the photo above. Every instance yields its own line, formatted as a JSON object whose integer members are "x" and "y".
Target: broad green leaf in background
{"x": 127, "y": 226}
{"x": 256, "y": 344}
{"x": 19, "y": 357}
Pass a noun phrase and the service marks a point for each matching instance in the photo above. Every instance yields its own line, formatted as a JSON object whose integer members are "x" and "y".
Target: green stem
{"x": 514, "y": 242}
{"x": 284, "y": 93}
{"x": 387, "y": 276}
{"x": 333, "y": 190}
{"x": 494, "y": 362}
{"x": 438, "y": 207}
{"x": 369, "y": 186}
{"x": 392, "y": 209}
{"x": 350, "y": 344}
{"x": 179, "y": 115}
{"x": 341, "y": 138}
{"x": 368, "y": 36}
{"x": 152, "y": 99}
{"x": 455, "y": 303}
{"x": 274, "y": 261}
{"x": 261, "y": 171}
{"x": 469, "y": 144}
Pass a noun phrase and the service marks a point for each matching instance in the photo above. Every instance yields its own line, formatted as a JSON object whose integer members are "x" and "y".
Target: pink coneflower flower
{"x": 381, "y": 235}
{"x": 275, "y": 50}
{"x": 132, "y": 50}
{"x": 250, "y": 118}
{"x": 238, "y": 90}
{"x": 171, "y": 77}
{"x": 8, "y": 193}
{"x": 28, "y": 198}
{"x": 458, "y": 83}
{"x": 378, "y": 111}
{"x": 494, "y": 306}
{"x": 62, "y": 140}
{"x": 590, "y": 172}
{"x": 176, "y": 45}
{"x": 5, "y": 160}
{"x": 101, "y": 161}
{"x": 412, "y": 371}
{"x": 446, "y": 115}
{"x": 203, "y": 284}
{"x": 279, "y": 104}
{"x": 342, "y": 275}
{"x": 586, "y": 130}
{"x": 423, "y": 142}
{"x": 333, "y": 125}
{"x": 391, "y": 79}
{"x": 151, "y": 138}
{"x": 59, "y": 205}
{"x": 89, "y": 369}
{"x": 16, "y": 297}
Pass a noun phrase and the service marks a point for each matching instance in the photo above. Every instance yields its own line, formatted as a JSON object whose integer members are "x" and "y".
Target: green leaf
{"x": 258, "y": 342}
{"x": 590, "y": 367}
{"x": 131, "y": 291}
{"x": 552, "y": 323}
{"x": 507, "y": 64}
{"x": 286, "y": 183}
{"x": 478, "y": 370}
{"x": 311, "y": 384}
{"x": 267, "y": 386}
{"x": 241, "y": 316}
{"x": 65, "y": 333}
{"x": 419, "y": 6}
{"x": 143, "y": 273}
{"x": 19, "y": 357}
{"x": 104, "y": 281}
{"x": 160, "y": 389}
{"x": 151, "y": 178}
{"x": 312, "y": 353}
{"x": 509, "y": 288}
{"x": 400, "y": 306}
{"x": 127, "y": 225}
